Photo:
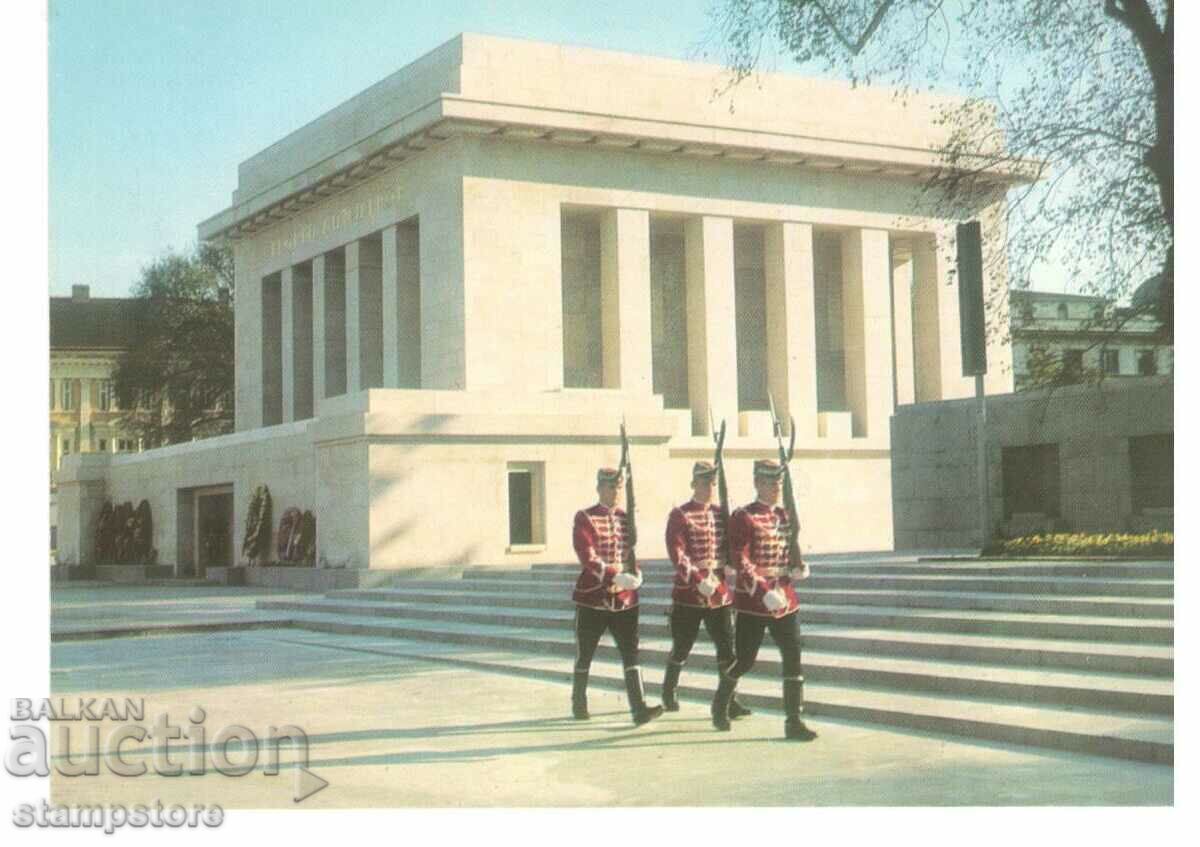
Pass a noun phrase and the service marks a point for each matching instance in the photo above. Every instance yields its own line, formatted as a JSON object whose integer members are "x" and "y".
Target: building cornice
{"x": 451, "y": 116}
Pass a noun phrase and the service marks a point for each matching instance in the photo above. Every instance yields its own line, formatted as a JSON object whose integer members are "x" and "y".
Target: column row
{"x": 347, "y": 320}
{"x": 715, "y": 315}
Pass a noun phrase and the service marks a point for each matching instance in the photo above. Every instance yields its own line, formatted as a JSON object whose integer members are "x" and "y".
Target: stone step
{"x": 1074, "y": 688}
{"x": 1085, "y": 627}
{"x": 1149, "y": 569}
{"x": 860, "y": 596}
{"x": 1072, "y": 586}
{"x": 1142, "y": 659}
{"x": 1119, "y": 735}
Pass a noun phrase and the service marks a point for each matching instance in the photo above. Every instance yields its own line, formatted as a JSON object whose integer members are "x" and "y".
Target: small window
{"x": 520, "y": 507}
{"x": 526, "y": 504}
{"x": 105, "y": 395}
{"x": 1147, "y": 366}
{"x": 1062, "y": 311}
{"x": 103, "y": 445}
{"x": 1027, "y": 310}
{"x": 51, "y": 394}
{"x": 1112, "y": 362}
{"x": 66, "y": 446}
{"x": 68, "y": 394}
{"x": 1030, "y": 476}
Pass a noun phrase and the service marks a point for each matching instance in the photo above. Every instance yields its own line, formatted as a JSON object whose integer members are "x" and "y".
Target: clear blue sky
{"x": 153, "y": 103}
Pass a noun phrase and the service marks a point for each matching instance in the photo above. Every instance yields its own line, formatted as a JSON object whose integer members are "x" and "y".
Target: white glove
{"x": 708, "y": 585}
{"x": 606, "y": 569}
{"x": 775, "y": 600}
{"x": 627, "y": 581}
{"x": 801, "y": 572}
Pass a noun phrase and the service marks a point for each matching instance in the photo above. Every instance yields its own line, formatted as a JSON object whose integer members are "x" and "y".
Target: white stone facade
{"x": 481, "y": 264}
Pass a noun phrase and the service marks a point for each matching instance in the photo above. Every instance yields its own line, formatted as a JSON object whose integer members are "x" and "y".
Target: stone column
{"x": 902, "y": 313}
{"x": 247, "y": 345}
{"x": 364, "y": 314}
{"x": 927, "y": 348}
{"x": 791, "y": 324}
{"x": 272, "y": 352}
{"x": 712, "y": 323}
{"x": 318, "y": 331}
{"x": 625, "y": 300}
{"x": 402, "y": 306}
{"x": 301, "y": 332}
{"x": 287, "y": 342}
{"x": 866, "y": 269}
{"x": 331, "y": 318}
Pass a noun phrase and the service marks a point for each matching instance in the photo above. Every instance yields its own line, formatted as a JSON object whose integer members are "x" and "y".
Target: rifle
{"x": 789, "y": 492}
{"x": 630, "y": 503}
{"x": 722, "y": 488}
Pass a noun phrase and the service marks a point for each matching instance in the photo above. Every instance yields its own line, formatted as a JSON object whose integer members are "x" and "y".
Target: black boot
{"x": 637, "y": 700}
{"x": 737, "y": 710}
{"x": 670, "y": 682}
{"x": 579, "y": 709}
{"x": 720, "y": 703}
{"x": 793, "y": 705}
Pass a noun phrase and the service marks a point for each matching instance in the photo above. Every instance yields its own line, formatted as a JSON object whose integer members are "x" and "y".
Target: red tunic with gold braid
{"x": 599, "y": 538}
{"x": 758, "y": 545}
{"x": 695, "y": 534}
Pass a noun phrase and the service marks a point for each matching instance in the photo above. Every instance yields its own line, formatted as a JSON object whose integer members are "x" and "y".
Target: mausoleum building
{"x": 452, "y": 288}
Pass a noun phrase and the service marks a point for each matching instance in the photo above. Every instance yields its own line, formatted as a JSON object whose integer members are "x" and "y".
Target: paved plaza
{"x": 397, "y": 723}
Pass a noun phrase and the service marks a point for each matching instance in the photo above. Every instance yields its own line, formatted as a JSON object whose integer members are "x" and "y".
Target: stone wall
{"x": 934, "y": 460}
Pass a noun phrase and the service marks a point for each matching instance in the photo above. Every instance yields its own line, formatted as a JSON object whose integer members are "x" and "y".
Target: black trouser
{"x": 785, "y": 632}
{"x": 685, "y": 626}
{"x": 590, "y": 625}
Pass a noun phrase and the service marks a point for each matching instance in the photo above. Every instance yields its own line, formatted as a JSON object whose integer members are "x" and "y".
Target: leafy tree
{"x": 1082, "y": 90}
{"x": 176, "y": 377}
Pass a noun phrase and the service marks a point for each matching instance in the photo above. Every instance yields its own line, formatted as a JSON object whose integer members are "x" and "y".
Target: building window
{"x": 51, "y": 395}
{"x": 1030, "y": 477}
{"x": 125, "y": 445}
{"x": 1062, "y": 311}
{"x": 1112, "y": 362}
{"x": 66, "y": 448}
{"x": 1146, "y": 364}
{"x": 1152, "y": 471}
{"x": 103, "y": 445}
{"x": 1027, "y": 311}
{"x": 526, "y": 504}
{"x": 68, "y": 394}
{"x": 105, "y": 395}
{"x": 1072, "y": 364}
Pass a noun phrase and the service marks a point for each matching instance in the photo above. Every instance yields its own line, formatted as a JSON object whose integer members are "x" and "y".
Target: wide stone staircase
{"x": 1066, "y": 655}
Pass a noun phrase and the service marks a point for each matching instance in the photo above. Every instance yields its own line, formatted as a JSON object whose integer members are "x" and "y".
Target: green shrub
{"x": 1153, "y": 544}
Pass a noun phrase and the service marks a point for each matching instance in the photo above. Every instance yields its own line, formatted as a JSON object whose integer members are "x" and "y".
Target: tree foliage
{"x": 176, "y": 378}
{"x": 1082, "y": 89}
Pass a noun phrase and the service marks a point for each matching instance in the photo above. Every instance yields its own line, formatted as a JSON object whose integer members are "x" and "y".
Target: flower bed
{"x": 1147, "y": 545}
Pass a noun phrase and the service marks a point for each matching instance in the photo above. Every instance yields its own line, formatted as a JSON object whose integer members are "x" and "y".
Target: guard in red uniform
{"x": 696, "y": 545}
{"x": 766, "y": 598}
{"x": 606, "y": 596}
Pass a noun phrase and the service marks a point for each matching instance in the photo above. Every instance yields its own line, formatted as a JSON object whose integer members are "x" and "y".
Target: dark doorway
{"x": 214, "y": 531}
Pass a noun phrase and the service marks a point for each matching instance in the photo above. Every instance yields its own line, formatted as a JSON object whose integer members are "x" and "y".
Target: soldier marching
{"x": 696, "y": 545}
{"x": 766, "y": 597}
{"x": 606, "y": 595}
{"x": 759, "y": 548}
